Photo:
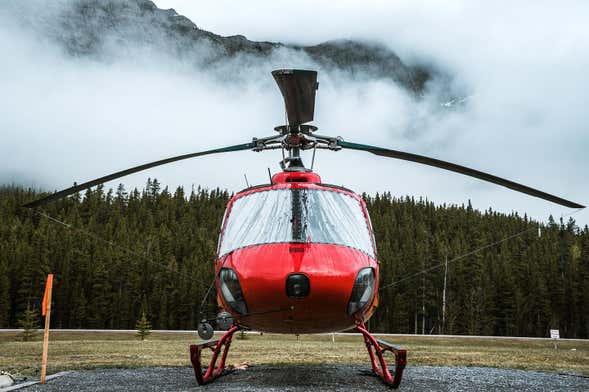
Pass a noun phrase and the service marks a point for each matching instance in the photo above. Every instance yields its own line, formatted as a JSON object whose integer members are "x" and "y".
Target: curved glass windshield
{"x": 296, "y": 215}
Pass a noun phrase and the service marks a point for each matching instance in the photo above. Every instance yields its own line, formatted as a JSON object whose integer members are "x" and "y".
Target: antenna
{"x": 246, "y": 182}
{"x": 270, "y": 175}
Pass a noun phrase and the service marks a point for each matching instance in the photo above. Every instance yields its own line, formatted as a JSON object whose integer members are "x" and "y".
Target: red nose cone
{"x": 294, "y": 177}
{"x": 325, "y": 274}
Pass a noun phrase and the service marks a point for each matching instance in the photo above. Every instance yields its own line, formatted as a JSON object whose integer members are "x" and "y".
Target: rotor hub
{"x": 294, "y": 139}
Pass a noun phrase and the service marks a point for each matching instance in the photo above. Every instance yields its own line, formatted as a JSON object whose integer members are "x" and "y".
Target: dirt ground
{"x": 269, "y": 378}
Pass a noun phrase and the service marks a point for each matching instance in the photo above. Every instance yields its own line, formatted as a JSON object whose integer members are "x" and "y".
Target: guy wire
{"x": 462, "y": 256}
{"x": 113, "y": 244}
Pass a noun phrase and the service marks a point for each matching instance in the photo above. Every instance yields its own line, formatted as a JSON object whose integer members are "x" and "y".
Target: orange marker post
{"x": 47, "y": 313}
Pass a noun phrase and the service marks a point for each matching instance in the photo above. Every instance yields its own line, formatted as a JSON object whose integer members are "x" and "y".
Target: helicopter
{"x": 297, "y": 255}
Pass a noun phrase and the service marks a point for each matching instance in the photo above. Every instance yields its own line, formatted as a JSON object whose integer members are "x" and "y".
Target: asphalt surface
{"x": 314, "y": 378}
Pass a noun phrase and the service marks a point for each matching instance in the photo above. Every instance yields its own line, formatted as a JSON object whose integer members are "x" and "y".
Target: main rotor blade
{"x": 459, "y": 169}
{"x": 298, "y": 87}
{"x": 122, "y": 173}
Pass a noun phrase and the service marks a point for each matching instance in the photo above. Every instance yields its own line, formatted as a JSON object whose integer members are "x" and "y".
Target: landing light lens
{"x": 231, "y": 290}
{"x": 362, "y": 291}
{"x": 297, "y": 286}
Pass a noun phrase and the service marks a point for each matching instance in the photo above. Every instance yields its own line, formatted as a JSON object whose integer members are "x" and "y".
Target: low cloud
{"x": 521, "y": 69}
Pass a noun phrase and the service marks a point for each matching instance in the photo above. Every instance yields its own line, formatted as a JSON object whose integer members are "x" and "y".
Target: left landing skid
{"x": 214, "y": 370}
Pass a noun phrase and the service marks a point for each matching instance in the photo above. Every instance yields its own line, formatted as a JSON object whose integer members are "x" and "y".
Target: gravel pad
{"x": 315, "y": 378}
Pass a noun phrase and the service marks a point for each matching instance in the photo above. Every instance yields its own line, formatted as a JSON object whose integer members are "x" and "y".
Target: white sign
{"x": 554, "y": 334}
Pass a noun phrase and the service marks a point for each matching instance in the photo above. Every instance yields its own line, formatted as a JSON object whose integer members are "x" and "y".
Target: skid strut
{"x": 214, "y": 370}
{"x": 376, "y": 348}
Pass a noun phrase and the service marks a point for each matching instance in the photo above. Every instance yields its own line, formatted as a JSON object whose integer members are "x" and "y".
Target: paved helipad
{"x": 315, "y": 378}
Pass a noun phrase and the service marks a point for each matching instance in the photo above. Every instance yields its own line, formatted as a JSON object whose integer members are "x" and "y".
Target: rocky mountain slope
{"x": 112, "y": 28}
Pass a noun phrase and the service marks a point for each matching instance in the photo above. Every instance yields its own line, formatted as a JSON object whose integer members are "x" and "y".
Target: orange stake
{"x": 47, "y": 313}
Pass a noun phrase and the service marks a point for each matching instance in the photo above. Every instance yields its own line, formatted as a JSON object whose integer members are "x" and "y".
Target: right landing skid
{"x": 376, "y": 348}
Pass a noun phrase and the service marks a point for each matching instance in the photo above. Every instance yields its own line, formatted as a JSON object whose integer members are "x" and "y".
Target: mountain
{"x": 107, "y": 29}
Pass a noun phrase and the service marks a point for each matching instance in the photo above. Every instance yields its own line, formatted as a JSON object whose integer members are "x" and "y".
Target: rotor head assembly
{"x": 298, "y": 88}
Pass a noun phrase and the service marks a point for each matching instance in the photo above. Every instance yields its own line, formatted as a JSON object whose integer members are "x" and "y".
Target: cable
{"x": 111, "y": 243}
{"x": 468, "y": 253}
{"x": 456, "y": 258}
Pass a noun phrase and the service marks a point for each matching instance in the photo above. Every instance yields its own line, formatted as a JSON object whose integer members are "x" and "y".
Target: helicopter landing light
{"x": 297, "y": 286}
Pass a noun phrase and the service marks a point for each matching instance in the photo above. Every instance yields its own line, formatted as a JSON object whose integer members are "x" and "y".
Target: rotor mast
{"x": 298, "y": 88}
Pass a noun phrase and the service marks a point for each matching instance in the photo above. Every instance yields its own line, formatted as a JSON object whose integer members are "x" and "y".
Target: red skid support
{"x": 212, "y": 371}
{"x": 376, "y": 348}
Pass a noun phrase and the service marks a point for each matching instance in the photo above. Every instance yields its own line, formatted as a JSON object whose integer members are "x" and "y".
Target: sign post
{"x": 47, "y": 313}
{"x": 555, "y": 335}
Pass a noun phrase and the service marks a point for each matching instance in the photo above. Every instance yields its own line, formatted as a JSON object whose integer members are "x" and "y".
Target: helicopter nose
{"x": 297, "y": 286}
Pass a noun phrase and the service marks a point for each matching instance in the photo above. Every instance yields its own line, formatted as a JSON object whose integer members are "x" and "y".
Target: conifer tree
{"x": 4, "y": 295}
{"x": 143, "y": 326}
{"x": 29, "y": 322}
{"x": 78, "y": 308}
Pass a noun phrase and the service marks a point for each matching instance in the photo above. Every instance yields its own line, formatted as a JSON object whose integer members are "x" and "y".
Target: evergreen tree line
{"x": 154, "y": 251}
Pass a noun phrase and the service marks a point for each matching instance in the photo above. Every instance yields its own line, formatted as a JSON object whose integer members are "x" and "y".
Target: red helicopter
{"x": 298, "y": 256}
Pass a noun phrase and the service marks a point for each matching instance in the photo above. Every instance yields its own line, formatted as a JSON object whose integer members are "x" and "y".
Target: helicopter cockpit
{"x": 290, "y": 215}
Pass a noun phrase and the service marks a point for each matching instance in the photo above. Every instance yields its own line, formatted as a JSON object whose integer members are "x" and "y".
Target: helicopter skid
{"x": 376, "y": 349}
{"x": 220, "y": 346}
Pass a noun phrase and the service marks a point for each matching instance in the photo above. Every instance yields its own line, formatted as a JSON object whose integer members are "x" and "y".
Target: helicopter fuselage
{"x": 297, "y": 256}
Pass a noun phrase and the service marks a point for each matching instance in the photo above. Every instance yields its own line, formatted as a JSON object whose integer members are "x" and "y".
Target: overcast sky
{"x": 522, "y": 64}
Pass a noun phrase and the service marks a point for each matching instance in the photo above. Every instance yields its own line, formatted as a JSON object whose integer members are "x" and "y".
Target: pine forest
{"x": 122, "y": 252}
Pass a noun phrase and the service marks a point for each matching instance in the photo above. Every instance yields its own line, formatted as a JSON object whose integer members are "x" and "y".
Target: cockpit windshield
{"x": 296, "y": 215}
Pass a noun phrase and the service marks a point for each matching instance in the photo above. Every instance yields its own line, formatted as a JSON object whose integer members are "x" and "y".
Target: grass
{"x": 69, "y": 351}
